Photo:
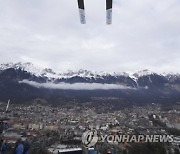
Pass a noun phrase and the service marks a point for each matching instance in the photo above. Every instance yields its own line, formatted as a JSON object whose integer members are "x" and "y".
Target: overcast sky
{"x": 145, "y": 34}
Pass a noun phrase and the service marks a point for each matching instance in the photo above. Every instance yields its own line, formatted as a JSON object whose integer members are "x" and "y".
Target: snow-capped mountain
{"x": 49, "y": 73}
{"x": 139, "y": 79}
{"x": 143, "y": 73}
{"x": 30, "y": 68}
{"x": 23, "y": 81}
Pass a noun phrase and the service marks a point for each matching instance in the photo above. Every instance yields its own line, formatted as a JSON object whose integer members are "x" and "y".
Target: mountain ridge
{"x": 23, "y": 82}
{"x": 49, "y": 73}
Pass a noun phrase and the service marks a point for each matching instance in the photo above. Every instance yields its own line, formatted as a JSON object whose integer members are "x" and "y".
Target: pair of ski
{"x": 108, "y": 11}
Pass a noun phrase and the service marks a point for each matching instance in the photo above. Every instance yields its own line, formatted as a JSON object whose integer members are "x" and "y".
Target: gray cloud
{"x": 75, "y": 86}
{"x": 144, "y": 35}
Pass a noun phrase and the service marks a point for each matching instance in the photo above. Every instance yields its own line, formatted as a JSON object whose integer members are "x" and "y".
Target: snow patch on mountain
{"x": 28, "y": 67}
{"x": 143, "y": 73}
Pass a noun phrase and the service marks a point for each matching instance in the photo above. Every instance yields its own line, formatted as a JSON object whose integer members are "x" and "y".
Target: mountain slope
{"x": 23, "y": 82}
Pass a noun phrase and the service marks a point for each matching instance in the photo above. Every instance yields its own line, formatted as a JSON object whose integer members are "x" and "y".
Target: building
{"x": 71, "y": 151}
